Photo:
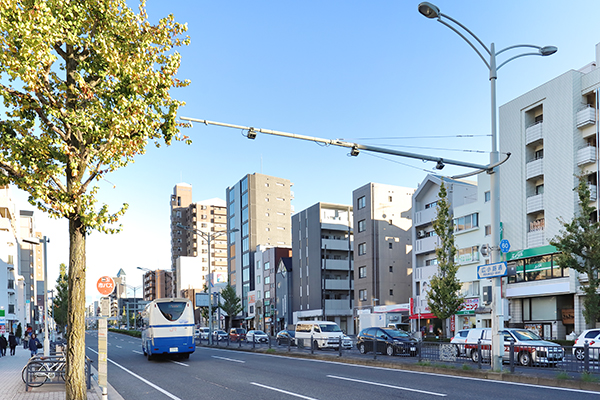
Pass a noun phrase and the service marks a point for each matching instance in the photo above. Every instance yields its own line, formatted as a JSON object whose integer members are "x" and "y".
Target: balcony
{"x": 534, "y": 133}
{"x": 587, "y": 155}
{"x": 535, "y": 236}
{"x": 338, "y": 307}
{"x": 535, "y": 203}
{"x": 593, "y": 192}
{"x": 586, "y": 117}
{"x": 425, "y": 216}
{"x": 426, "y": 245}
{"x": 339, "y": 265}
{"x": 334, "y": 244}
{"x": 338, "y": 284}
{"x": 535, "y": 168}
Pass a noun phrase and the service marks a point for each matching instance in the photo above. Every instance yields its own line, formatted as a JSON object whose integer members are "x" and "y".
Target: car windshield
{"x": 259, "y": 333}
{"x": 171, "y": 310}
{"x": 397, "y": 334}
{"x": 526, "y": 335}
{"x": 330, "y": 328}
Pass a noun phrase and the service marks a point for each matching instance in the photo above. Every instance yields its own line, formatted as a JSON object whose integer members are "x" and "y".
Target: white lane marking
{"x": 172, "y": 396}
{"x": 388, "y": 386}
{"x": 119, "y": 347}
{"x": 180, "y": 363}
{"x": 139, "y": 352}
{"x": 228, "y": 359}
{"x": 282, "y": 391}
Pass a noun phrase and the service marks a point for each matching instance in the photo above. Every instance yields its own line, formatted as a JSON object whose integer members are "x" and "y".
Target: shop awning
{"x": 423, "y": 316}
{"x": 248, "y": 318}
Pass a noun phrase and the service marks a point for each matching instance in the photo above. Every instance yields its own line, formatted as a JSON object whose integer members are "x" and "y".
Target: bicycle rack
{"x": 53, "y": 369}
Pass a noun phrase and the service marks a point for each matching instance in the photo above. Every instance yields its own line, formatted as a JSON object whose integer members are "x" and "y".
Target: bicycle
{"x": 43, "y": 368}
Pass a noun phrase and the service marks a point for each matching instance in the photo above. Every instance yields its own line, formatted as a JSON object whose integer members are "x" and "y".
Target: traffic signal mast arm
{"x": 355, "y": 147}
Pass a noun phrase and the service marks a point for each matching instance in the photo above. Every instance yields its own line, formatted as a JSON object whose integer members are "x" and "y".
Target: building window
{"x": 539, "y": 189}
{"x": 267, "y": 280}
{"x": 362, "y": 202}
{"x": 488, "y": 230}
{"x": 433, "y": 261}
{"x": 258, "y": 280}
{"x": 362, "y": 225}
{"x": 488, "y": 196}
{"x": 539, "y": 154}
{"x": 390, "y": 198}
{"x": 467, "y": 222}
{"x": 362, "y": 295}
{"x": 431, "y": 205}
{"x": 268, "y": 294}
{"x": 391, "y": 292}
{"x": 362, "y": 249}
{"x": 267, "y": 265}
{"x": 391, "y": 245}
{"x": 362, "y": 272}
{"x": 391, "y": 269}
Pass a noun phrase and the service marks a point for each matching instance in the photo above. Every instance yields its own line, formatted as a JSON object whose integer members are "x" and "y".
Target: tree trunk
{"x": 75, "y": 375}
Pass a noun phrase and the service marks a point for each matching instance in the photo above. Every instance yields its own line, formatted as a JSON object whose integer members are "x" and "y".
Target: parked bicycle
{"x": 41, "y": 369}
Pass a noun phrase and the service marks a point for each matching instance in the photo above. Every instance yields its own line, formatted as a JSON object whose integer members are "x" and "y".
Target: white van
{"x": 324, "y": 334}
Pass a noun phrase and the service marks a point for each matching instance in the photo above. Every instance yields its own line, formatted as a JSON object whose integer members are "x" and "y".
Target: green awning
{"x": 526, "y": 253}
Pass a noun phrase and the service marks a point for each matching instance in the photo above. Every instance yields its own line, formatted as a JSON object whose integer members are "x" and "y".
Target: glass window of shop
{"x": 537, "y": 268}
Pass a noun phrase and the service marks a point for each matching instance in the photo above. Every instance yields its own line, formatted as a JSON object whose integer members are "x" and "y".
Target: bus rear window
{"x": 171, "y": 310}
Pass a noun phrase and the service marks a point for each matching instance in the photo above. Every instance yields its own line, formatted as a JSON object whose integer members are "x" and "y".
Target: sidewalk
{"x": 13, "y": 387}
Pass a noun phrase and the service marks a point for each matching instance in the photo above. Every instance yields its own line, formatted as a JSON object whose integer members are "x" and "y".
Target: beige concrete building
{"x": 259, "y": 206}
{"x": 382, "y": 245}
{"x": 208, "y": 216}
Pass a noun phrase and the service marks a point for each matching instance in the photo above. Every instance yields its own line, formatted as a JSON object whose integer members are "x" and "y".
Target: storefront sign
{"x": 452, "y": 323}
{"x": 469, "y": 306}
{"x": 568, "y": 316}
{"x": 526, "y": 253}
{"x": 392, "y": 308}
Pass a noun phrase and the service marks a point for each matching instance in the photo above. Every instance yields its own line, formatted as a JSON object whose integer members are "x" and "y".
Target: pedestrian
{"x": 3, "y": 344}
{"x": 34, "y": 344}
{"x": 12, "y": 342}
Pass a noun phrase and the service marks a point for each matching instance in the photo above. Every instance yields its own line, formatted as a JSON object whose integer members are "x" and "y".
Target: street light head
{"x": 429, "y": 10}
{"x": 548, "y": 50}
{"x": 440, "y": 165}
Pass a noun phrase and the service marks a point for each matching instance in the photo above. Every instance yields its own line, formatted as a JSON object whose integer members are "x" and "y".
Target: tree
{"x": 444, "y": 299}
{"x": 231, "y": 303}
{"x": 86, "y": 86}
{"x": 61, "y": 300}
{"x": 579, "y": 247}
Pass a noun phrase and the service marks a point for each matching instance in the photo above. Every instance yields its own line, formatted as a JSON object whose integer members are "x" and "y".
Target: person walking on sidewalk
{"x": 12, "y": 343}
{"x": 3, "y": 344}
{"x": 34, "y": 344}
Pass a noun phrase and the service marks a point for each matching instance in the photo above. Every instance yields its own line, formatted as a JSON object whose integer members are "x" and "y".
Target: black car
{"x": 285, "y": 337}
{"x": 389, "y": 341}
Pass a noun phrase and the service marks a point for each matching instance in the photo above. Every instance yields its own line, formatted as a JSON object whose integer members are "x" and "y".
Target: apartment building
{"x": 464, "y": 206}
{"x": 322, "y": 265}
{"x": 157, "y": 284}
{"x": 552, "y": 133}
{"x": 262, "y": 300}
{"x": 284, "y": 294}
{"x": 209, "y": 217}
{"x": 259, "y": 209}
{"x": 382, "y": 245}
{"x": 11, "y": 293}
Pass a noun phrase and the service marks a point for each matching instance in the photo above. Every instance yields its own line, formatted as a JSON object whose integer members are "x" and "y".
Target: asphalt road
{"x": 228, "y": 374}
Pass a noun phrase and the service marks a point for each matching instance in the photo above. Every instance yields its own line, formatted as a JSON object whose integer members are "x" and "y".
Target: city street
{"x": 222, "y": 373}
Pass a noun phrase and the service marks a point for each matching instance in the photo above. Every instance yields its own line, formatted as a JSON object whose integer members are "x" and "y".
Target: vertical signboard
{"x": 102, "y": 352}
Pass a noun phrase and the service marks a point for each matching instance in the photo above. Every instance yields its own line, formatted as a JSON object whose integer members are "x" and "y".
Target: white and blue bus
{"x": 168, "y": 328}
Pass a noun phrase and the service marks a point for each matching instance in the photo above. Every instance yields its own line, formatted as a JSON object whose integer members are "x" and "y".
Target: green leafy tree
{"x": 86, "y": 85}
{"x": 444, "y": 297}
{"x": 231, "y": 303}
{"x": 61, "y": 300}
{"x": 579, "y": 247}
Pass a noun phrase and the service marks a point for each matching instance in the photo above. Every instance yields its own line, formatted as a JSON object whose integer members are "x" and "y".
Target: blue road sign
{"x": 491, "y": 270}
{"x": 504, "y": 246}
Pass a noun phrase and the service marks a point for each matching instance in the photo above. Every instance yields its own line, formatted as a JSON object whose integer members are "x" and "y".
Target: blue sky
{"x": 374, "y": 72}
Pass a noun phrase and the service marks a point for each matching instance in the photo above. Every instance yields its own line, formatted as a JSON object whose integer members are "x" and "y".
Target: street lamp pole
{"x": 209, "y": 238}
{"x": 46, "y": 340}
{"x": 431, "y": 11}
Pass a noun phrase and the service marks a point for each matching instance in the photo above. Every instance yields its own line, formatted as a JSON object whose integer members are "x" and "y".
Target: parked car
{"x": 219, "y": 335}
{"x": 529, "y": 348}
{"x": 592, "y": 336}
{"x": 257, "y": 336}
{"x": 202, "y": 333}
{"x": 388, "y": 341}
{"x": 286, "y": 337}
{"x": 237, "y": 334}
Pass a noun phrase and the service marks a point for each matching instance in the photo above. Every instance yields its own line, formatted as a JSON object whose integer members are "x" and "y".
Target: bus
{"x": 168, "y": 328}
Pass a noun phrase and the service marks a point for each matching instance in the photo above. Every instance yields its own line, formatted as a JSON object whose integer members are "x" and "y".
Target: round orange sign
{"x": 105, "y": 285}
